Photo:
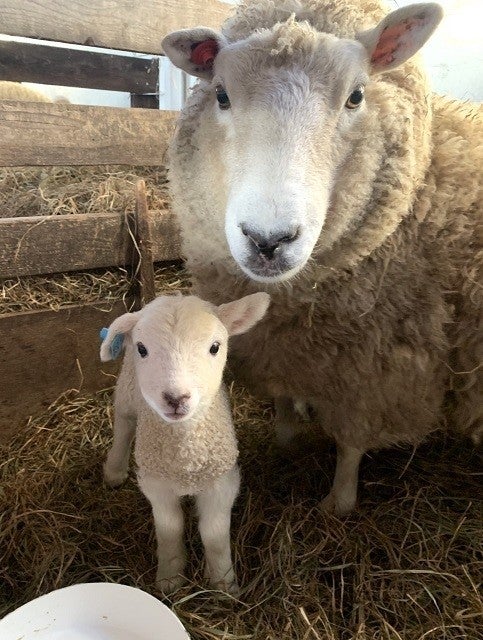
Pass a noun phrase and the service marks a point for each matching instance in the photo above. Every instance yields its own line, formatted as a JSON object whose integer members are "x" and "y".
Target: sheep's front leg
{"x": 214, "y": 508}
{"x": 287, "y": 421}
{"x": 169, "y": 524}
{"x": 117, "y": 461}
{"x": 343, "y": 495}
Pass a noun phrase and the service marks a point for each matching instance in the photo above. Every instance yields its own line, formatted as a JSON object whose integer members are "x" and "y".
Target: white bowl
{"x": 95, "y": 611}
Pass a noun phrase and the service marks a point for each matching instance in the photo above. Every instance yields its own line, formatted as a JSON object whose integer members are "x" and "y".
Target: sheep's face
{"x": 179, "y": 356}
{"x": 286, "y": 112}
{"x": 179, "y": 346}
{"x": 290, "y": 126}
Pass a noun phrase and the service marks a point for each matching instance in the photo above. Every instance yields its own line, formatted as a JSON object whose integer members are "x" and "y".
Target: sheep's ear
{"x": 400, "y": 35}
{"x": 113, "y": 338}
{"x": 194, "y": 50}
{"x": 243, "y": 314}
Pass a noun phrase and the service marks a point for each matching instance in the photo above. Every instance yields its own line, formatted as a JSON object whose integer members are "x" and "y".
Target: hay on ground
{"x": 405, "y": 566}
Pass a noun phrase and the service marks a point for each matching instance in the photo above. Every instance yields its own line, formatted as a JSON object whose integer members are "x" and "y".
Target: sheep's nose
{"x": 267, "y": 246}
{"x": 175, "y": 401}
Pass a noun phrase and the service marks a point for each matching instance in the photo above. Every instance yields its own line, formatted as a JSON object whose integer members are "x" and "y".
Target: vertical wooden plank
{"x": 144, "y": 246}
{"x": 145, "y": 101}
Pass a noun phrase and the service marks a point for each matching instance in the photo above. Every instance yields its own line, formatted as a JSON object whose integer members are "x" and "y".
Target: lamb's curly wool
{"x": 186, "y": 456}
{"x": 385, "y": 319}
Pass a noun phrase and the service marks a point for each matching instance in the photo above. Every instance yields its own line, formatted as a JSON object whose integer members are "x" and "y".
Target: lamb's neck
{"x": 191, "y": 453}
{"x": 182, "y": 429}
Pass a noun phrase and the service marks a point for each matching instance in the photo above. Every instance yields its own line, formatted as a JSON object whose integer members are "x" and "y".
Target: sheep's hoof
{"x": 114, "y": 478}
{"x": 337, "y": 506}
{"x": 284, "y": 435}
{"x": 170, "y": 584}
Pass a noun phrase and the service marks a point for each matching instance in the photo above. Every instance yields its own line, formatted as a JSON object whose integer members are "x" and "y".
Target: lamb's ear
{"x": 113, "y": 338}
{"x": 243, "y": 314}
{"x": 194, "y": 50}
{"x": 400, "y": 35}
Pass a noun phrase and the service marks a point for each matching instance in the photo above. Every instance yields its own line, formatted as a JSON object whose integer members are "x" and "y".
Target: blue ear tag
{"x": 116, "y": 344}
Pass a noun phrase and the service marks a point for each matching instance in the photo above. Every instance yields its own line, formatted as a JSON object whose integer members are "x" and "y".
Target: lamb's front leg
{"x": 169, "y": 525}
{"x": 343, "y": 495}
{"x": 117, "y": 461}
{"x": 214, "y": 507}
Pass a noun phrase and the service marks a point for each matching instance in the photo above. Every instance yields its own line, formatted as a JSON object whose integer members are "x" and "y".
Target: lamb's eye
{"x": 215, "y": 347}
{"x": 355, "y": 99}
{"x": 222, "y": 97}
{"x": 143, "y": 352}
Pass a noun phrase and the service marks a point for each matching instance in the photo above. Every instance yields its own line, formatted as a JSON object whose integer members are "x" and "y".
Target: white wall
{"x": 454, "y": 54}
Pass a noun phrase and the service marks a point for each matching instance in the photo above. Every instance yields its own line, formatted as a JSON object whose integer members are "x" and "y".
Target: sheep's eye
{"x": 215, "y": 347}
{"x": 143, "y": 352}
{"x": 355, "y": 99}
{"x": 222, "y": 97}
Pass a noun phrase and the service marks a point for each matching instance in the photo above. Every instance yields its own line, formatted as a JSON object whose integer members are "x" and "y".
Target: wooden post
{"x": 144, "y": 271}
{"x": 145, "y": 101}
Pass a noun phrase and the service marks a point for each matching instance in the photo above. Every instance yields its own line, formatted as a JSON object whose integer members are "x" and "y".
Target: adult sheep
{"x": 313, "y": 162}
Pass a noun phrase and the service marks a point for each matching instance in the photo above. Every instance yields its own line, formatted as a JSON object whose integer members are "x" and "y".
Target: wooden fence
{"x": 44, "y": 353}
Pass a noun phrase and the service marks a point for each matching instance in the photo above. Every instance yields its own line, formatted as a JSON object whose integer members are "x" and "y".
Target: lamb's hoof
{"x": 171, "y": 584}
{"x": 114, "y": 478}
{"x": 230, "y": 587}
{"x": 337, "y": 506}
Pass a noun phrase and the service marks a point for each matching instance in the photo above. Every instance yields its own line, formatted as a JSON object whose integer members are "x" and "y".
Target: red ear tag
{"x": 204, "y": 53}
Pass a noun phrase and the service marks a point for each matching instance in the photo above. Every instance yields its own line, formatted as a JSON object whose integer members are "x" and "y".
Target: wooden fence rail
{"x": 53, "y": 244}
{"x": 47, "y": 64}
{"x": 123, "y": 24}
{"x": 46, "y": 353}
{"x": 38, "y": 133}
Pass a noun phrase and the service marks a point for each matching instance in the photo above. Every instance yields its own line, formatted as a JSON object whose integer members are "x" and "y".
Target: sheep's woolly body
{"x": 386, "y": 317}
{"x": 190, "y": 455}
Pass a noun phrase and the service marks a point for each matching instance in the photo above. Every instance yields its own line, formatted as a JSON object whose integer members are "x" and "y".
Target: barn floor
{"x": 406, "y": 566}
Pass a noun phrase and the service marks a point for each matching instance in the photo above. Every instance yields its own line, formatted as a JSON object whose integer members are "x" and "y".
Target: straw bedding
{"x": 406, "y": 566}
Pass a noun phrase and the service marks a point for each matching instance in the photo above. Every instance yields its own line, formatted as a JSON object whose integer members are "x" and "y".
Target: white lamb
{"x": 170, "y": 395}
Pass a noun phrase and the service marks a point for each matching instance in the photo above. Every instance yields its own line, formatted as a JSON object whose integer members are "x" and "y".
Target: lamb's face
{"x": 180, "y": 352}
{"x": 291, "y": 123}
{"x": 179, "y": 345}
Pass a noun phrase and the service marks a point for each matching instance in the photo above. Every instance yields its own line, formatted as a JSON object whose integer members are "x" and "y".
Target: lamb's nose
{"x": 268, "y": 245}
{"x": 175, "y": 401}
